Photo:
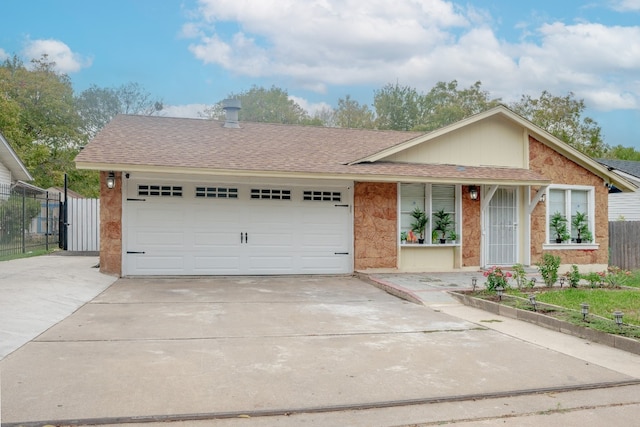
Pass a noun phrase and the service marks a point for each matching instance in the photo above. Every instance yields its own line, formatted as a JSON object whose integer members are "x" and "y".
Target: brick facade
{"x": 471, "y": 230}
{"x": 375, "y": 225}
{"x": 111, "y": 226}
{"x": 564, "y": 171}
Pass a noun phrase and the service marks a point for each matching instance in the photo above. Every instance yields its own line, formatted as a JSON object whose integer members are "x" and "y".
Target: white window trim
{"x": 591, "y": 214}
{"x": 428, "y": 208}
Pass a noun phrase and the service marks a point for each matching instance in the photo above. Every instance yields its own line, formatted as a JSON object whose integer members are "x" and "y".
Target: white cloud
{"x": 58, "y": 52}
{"x": 310, "y": 107}
{"x": 626, "y": 5}
{"x": 317, "y": 43}
{"x": 186, "y": 111}
{"x": 3, "y": 54}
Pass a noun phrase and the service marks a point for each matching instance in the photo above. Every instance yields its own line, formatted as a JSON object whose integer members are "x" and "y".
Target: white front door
{"x": 501, "y": 228}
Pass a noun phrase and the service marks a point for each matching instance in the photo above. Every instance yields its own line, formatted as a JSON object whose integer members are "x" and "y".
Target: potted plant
{"x": 558, "y": 223}
{"x": 443, "y": 224}
{"x": 419, "y": 223}
{"x": 453, "y": 236}
{"x": 403, "y": 237}
{"x": 579, "y": 224}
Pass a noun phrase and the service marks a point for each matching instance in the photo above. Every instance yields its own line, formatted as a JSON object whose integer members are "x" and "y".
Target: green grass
{"x": 35, "y": 252}
{"x": 602, "y": 302}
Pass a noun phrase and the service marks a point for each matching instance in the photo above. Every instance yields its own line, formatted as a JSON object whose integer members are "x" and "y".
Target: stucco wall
{"x": 375, "y": 225}
{"x": 111, "y": 226}
{"x": 471, "y": 230}
{"x": 563, "y": 171}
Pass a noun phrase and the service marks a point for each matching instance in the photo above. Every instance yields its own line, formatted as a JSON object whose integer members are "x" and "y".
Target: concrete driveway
{"x": 323, "y": 350}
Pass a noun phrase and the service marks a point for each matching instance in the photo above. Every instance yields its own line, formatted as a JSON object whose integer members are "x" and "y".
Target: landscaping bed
{"x": 592, "y": 327}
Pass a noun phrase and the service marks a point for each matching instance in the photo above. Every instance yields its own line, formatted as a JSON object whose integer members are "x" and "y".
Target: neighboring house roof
{"x": 10, "y": 160}
{"x": 629, "y": 167}
{"x": 177, "y": 145}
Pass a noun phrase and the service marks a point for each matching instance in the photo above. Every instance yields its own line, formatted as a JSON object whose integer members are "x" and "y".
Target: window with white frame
{"x": 430, "y": 198}
{"x": 571, "y": 202}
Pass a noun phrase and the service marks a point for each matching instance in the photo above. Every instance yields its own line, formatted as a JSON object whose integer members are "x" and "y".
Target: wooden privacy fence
{"x": 624, "y": 244}
{"x": 83, "y": 220}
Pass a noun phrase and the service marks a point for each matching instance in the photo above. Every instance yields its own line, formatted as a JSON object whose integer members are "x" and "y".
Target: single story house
{"x": 624, "y": 205}
{"x": 204, "y": 197}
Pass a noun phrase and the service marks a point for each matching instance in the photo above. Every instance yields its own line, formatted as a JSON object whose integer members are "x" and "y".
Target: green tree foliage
{"x": 445, "y": 104}
{"x": 350, "y": 114}
{"x": 623, "y": 153}
{"x": 269, "y": 105}
{"x": 562, "y": 116}
{"x": 97, "y": 106}
{"x": 397, "y": 107}
{"x": 14, "y": 218}
{"x": 41, "y": 121}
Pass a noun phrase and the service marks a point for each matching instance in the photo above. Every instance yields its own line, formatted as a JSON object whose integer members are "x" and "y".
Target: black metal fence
{"x": 29, "y": 219}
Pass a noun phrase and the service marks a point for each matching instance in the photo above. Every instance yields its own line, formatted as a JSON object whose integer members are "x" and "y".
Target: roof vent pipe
{"x": 231, "y": 108}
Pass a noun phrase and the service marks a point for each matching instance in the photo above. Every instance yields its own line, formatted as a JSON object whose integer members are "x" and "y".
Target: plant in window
{"x": 443, "y": 224}
{"x": 403, "y": 237}
{"x": 419, "y": 223}
{"x": 558, "y": 224}
{"x": 579, "y": 224}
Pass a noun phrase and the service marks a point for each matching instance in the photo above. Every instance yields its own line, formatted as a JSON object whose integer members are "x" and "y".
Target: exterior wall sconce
{"x": 111, "y": 180}
{"x": 543, "y": 198}
{"x": 473, "y": 192}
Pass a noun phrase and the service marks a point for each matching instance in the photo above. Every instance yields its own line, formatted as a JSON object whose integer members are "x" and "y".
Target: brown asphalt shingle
{"x": 205, "y": 144}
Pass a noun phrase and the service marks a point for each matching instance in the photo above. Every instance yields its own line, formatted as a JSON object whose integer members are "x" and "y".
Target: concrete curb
{"x": 391, "y": 288}
{"x": 548, "y": 322}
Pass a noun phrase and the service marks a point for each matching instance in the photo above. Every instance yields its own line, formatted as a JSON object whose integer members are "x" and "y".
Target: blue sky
{"x": 193, "y": 53}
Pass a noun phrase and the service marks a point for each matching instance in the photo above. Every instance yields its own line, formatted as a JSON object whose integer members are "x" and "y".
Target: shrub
{"x": 496, "y": 277}
{"x": 573, "y": 276}
{"x": 519, "y": 275}
{"x": 549, "y": 268}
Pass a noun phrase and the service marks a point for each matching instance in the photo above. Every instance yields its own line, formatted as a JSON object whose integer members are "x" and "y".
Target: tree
{"x": 269, "y": 105}
{"x": 562, "y": 117}
{"x": 623, "y": 153}
{"x": 45, "y": 123}
{"x": 445, "y": 104}
{"x": 98, "y": 106}
{"x": 397, "y": 107}
{"x": 350, "y": 114}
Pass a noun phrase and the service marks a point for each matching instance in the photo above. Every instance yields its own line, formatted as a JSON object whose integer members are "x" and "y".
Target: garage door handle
{"x": 246, "y": 237}
{"x": 134, "y": 252}
{"x": 241, "y": 237}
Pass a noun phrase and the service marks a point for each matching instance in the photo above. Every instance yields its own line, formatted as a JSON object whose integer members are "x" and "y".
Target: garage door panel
{"x": 319, "y": 264}
{"x": 216, "y": 264}
{"x": 153, "y": 264}
{"x": 163, "y": 238}
{"x": 209, "y": 239}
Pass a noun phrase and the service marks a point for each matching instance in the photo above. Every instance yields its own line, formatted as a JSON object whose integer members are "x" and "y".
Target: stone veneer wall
{"x": 563, "y": 171}
{"x": 111, "y": 226}
{"x": 471, "y": 230}
{"x": 375, "y": 225}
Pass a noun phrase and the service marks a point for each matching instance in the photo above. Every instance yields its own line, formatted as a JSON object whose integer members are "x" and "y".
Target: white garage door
{"x": 191, "y": 229}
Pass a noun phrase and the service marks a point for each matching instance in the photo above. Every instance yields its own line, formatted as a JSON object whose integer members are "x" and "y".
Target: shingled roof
{"x": 181, "y": 145}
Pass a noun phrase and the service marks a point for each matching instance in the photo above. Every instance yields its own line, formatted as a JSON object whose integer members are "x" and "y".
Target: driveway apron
{"x": 171, "y": 348}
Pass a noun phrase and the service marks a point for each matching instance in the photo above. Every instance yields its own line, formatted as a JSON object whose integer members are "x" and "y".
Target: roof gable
{"x": 10, "y": 160}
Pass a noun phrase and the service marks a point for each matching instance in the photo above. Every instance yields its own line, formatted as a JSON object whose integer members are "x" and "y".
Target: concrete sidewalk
{"x": 36, "y": 293}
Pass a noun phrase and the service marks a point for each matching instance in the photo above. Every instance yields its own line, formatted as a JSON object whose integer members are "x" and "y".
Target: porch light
{"x": 617, "y": 315}
{"x": 500, "y": 291}
{"x": 111, "y": 180}
{"x": 534, "y": 303}
{"x": 584, "y": 309}
{"x": 543, "y": 198}
{"x": 473, "y": 192}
